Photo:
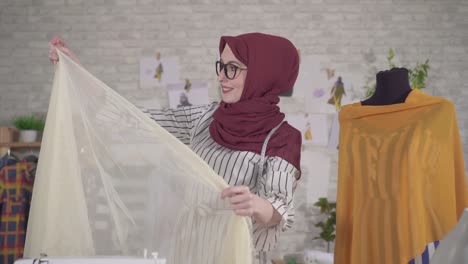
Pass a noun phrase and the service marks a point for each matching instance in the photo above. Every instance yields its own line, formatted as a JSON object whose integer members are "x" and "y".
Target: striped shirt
{"x": 277, "y": 184}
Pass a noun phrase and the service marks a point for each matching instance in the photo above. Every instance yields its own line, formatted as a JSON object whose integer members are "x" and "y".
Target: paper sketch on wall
{"x": 337, "y": 93}
{"x": 187, "y": 94}
{"x": 322, "y": 87}
{"x": 316, "y": 166}
{"x": 158, "y": 70}
{"x": 330, "y": 73}
{"x": 312, "y": 86}
{"x": 188, "y": 85}
{"x": 319, "y": 92}
{"x": 341, "y": 89}
{"x": 308, "y": 132}
{"x": 334, "y": 137}
{"x": 314, "y": 128}
{"x": 352, "y": 92}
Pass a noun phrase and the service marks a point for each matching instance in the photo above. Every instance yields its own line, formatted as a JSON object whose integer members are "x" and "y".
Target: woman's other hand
{"x": 58, "y": 43}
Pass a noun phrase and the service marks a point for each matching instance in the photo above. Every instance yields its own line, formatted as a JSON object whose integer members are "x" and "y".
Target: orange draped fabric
{"x": 401, "y": 179}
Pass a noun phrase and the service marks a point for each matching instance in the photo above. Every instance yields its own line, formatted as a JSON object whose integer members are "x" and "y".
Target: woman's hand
{"x": 58, "y": 43}
{"x": 242, "y": 201}
{"x": 245, "y": 203}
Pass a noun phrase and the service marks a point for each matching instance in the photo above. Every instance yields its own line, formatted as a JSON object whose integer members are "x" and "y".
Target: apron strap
{"x": 262, "y": 254}
{"x": 264, "y": 148}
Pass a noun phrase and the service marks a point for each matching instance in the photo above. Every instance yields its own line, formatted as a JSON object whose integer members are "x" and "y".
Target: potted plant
{"x": 29, "y": 126}
{"x": 328, "y": 227}
{"x": 328, "y": 209}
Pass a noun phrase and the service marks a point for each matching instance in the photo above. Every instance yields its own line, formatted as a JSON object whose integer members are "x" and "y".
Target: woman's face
{"x": 232, "y": 87}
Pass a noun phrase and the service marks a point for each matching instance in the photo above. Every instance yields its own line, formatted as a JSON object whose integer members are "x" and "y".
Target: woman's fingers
{"x": 231, "y": 191}
{"x": 240, "y": 198}
{"x": 244, "y": 212}
{"x": 243, "y": 205}
{"x": 58, "y": 43}
{"x": 53, "y": 56}
{"x": 54, "y": 43}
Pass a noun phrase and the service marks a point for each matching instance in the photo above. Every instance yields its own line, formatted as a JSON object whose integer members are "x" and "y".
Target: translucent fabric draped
{"x": 111, "y": 181}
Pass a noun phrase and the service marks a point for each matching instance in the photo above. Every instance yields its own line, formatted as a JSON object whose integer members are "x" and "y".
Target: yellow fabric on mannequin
{"x": 401, "y": 179}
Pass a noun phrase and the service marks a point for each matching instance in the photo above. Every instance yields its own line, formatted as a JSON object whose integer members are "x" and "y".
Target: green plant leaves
{"x": 328, "y": 226}
{"x": 417, "y": 75}
{"x": 29, "y": 123}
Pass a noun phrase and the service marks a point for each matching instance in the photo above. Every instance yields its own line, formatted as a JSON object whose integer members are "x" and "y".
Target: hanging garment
{"x": 401, "y": 179}
{"x": 8, "y": 159}
{"x": 111, "y": 181}
{"x": 16, "y": 183}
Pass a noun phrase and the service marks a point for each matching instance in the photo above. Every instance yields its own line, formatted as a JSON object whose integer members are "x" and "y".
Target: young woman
{"x": 244, "y": 138}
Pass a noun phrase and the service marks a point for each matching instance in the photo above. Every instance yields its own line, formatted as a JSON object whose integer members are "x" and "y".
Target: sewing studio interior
{"x": 233, "y": 132}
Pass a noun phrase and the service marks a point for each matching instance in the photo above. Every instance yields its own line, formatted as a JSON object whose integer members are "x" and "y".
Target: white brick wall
{"x": 109, "y": 36}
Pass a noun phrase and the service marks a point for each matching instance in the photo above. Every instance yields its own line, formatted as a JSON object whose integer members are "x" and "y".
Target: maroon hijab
{"x": 272, "y": 68}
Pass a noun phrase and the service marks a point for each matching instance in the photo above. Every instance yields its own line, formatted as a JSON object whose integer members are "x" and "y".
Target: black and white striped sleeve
{"x": 179, "y": 121}
{"x": 277, "y": 185}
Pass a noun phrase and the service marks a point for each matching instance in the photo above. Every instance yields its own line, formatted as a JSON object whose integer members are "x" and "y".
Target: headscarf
{"x": 272, "y": 68}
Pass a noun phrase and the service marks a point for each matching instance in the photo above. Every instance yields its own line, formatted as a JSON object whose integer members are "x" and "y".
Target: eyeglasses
{"x": 231, "y": 71}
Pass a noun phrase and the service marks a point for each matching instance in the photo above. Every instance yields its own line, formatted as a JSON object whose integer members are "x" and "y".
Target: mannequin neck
{"x": 392, "y": 87}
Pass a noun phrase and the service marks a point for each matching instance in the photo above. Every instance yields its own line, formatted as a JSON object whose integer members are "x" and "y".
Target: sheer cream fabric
{"x": 111, "y": 181}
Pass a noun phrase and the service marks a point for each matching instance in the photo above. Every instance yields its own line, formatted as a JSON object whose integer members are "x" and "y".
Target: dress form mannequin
{"x": 392, "y": 87}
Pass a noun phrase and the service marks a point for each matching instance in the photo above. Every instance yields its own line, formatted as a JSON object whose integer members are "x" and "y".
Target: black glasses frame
{"x": 220, "y": 66}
